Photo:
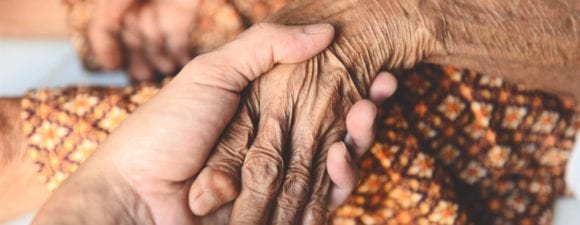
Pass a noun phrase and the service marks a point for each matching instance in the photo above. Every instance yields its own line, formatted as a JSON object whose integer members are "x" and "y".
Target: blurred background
{"x": 35, "y": 52}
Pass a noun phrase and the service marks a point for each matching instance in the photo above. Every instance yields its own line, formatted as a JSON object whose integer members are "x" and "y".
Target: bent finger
{"x": 383, "y": 86}
{"x": 218, "y": 183}
{"x": 138, "y": 66}
{"x": 342, "y": 172}
{"x": 154, "y": 47}
{"x": 104, "y": 32}
{"x": 262, "y": 174}
{"x": 360, "y": 127}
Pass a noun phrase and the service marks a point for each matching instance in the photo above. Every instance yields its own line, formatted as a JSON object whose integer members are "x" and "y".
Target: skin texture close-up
{"x": 300, "y": 111}
{"x": 143, "y": 171}
{"x": 273, "y": 155}
{"x": 526, "y": 39}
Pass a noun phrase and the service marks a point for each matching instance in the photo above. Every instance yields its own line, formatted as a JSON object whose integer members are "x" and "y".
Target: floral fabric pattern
{"x": 65, "y": 126}
{"x": 453, "y": 147}
{"x": 496, "y": 152}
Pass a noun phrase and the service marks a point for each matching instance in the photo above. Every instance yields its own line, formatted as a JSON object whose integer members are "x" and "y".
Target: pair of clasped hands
{"x": 188, "y": 156}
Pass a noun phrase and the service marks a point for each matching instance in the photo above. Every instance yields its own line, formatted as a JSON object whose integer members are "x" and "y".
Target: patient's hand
{"x": 278, "y": 144}
{"x": 273, "y": 156}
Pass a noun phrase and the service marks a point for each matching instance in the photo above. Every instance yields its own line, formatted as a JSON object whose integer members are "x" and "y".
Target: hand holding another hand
{"x": 142, "y": 174}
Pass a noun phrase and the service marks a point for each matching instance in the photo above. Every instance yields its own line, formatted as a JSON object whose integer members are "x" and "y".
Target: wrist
{"x": 22, "y": 190}
{"x": 367, "y": 38}
{"x": 94, "y": 196}
{"x": 534, "y": 45}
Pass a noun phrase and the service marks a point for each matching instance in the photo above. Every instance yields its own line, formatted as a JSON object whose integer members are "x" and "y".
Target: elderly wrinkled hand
{"x": 143, "y": 172}
{"x": 273, "y": 156}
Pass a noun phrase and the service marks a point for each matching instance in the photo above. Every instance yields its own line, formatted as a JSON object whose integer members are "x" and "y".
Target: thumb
{"x": 256, "y": 51}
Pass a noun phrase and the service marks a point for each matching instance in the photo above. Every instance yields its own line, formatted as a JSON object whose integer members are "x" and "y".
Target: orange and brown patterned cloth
{"x": 456, "y": 147}
{"x": 453, "y": 147}
{"x": 65, "y": 126}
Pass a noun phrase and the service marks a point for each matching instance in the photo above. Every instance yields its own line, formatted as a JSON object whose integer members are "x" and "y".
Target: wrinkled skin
{"x": 292, "y": 119}
{"x": 143, "y": 171}
{"x": 275, "y": 150}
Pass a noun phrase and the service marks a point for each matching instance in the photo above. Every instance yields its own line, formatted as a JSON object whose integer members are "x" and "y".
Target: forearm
{"x": 529, "y": 42}
{"x": 370, "y": 33}
{"x": 93, "y": 198}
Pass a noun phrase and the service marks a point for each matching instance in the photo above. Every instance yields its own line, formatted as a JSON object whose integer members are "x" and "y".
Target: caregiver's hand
{"x": 143, "y": 172}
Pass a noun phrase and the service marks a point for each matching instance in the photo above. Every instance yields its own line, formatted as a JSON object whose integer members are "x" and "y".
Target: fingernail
{"x": 318, "y": 28}
{"x": 203, "y": 204}
{"x": 348, "y": 140}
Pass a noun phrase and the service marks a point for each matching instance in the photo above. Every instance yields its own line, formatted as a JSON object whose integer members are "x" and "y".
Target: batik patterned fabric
{"x": 65, "y": 126}
{"x": 456, "y": 147}
{"x": 453, "y": 147}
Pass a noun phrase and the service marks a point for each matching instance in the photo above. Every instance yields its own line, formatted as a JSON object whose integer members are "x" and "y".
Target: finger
{"x": 361, "y": 117}
{"x": 154, "y": 41}
{"x": 105, "y": 47}
{"x": 256, "y": 51}
{"x": 316, "y": 209}
{"x": 175, "y": 24}
{"x": 342, "y": 172}
{"x": 341, "y": 169}
{"x": 359, "y": 124}
{"x": 103, "y": 33}
{"x": 384, "y": 86}
{"x": 218, "y": 182}
{"x": 293, "y": 197}
{"x": 261, "y": 173}
{"x": 138, "y": 67}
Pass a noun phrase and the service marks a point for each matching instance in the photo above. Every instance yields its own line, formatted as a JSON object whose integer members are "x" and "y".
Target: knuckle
{"x": 155, "y": 40}
{"x": 211, "y": 64}
{"x": 306, "y": 141}
{"x": 315, "y": 214}
{"x": 296, "y": 185}
{"x": 262, "y": 171}
{"x": 178, "y": 44}
{"x": 317, "y": 207}
{"x": 227, "y": 158}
